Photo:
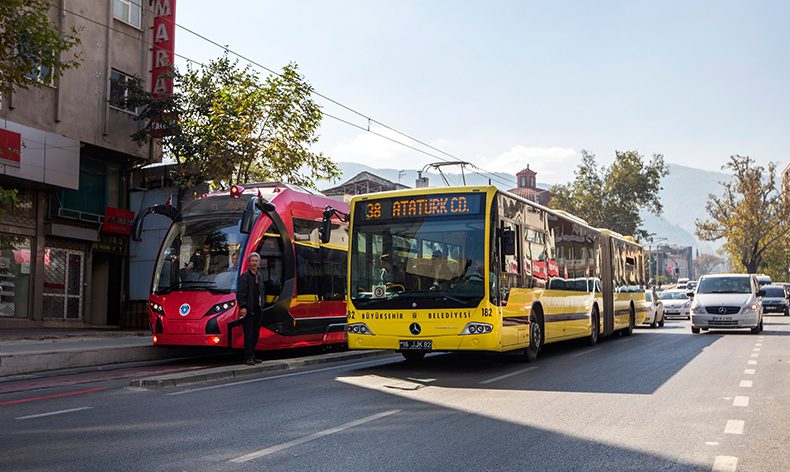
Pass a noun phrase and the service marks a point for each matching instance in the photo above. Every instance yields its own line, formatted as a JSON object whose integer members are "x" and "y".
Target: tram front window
{"x": 200, "y": 254}
{"x": 431, "y": 263}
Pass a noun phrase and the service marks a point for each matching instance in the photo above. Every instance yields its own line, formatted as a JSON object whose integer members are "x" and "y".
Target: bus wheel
{"x": 413, "y": 356}
{"x": 596, "y": 327}
{"x": 631, "y": 322}
{"x": 535, "y": 338}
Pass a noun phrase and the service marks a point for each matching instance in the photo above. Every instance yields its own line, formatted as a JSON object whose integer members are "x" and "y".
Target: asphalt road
{"x": 661, "y": 400}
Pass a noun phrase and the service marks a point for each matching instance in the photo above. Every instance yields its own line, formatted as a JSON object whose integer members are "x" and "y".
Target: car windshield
{"x": 673, "y": 295}
{"x": 774, "y": 292}
{"x": 431, "y": 262}
{"x": 649, "y": 296}
{"x": 736, "y": 284}
{"x": 200, "y": 254}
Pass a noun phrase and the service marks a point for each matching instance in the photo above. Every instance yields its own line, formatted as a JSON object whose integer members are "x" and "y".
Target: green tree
{"x": 223, "y": 124}
{"x": 612, "y": 197}
{"x": 31, "y": 46}
{"x": 707, "y": 263}
{"x": 750, "y": 215}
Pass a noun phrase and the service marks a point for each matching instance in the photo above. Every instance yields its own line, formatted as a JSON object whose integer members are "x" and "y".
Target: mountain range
{"x": 683, "y": 195}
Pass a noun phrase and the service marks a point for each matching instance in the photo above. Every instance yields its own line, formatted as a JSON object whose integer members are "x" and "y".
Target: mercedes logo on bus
{"x": 722, "y": 310}
{"x": 415, "y": 329}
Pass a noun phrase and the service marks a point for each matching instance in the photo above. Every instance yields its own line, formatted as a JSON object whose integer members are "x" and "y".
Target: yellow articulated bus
{"x": 479, "y": 269}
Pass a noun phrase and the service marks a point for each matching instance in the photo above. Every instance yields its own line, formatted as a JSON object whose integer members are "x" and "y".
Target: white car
{"x": 655, "y": 310}
{"x": 677, "y": 303}
{"x": 727, "y": 301}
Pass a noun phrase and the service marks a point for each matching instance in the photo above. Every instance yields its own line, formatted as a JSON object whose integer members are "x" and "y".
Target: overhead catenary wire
{"x": 452, "y": 158}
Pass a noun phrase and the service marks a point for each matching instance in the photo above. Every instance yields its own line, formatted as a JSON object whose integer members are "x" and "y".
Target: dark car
{"x": 776, "y": 300}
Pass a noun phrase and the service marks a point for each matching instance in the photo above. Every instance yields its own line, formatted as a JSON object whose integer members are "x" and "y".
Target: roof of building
{"x": 364, "y": 181}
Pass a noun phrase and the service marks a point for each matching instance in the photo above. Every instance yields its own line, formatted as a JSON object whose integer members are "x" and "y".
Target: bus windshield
{"x": 426, "y": 263}
{"x": 200, "y": 254}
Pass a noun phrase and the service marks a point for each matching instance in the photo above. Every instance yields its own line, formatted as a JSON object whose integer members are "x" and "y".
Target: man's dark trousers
{"x": 252, "y": 331}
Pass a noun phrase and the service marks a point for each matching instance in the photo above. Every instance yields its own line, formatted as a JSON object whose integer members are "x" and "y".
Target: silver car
{"x": 676, "y": 303}
{"x": 776, "y": 300}
{"x": 727, "y": 301}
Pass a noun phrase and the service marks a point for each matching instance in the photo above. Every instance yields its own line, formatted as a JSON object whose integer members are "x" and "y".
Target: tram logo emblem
{"x": 184, "y": 309}
{"x": 415, "y": 329}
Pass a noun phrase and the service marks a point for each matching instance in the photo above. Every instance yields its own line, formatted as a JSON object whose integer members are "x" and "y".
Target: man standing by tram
{"x": 250, "y": 295}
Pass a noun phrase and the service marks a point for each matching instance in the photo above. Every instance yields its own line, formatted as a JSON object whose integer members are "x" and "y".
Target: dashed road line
{"x": 725, "y": 464}
{"x": 752, "y": 362}
{"x": 755, "y": 354}
{"x": 734, "y": 427}
{"x": 758, "y": 345}
{"x": 312, "y": 437}
{"x": 53, "y": 413}
{"x": 502, "y": 377}
{"x": 586, "y": 351}
{"x": 740, "y": 400}
{"x": 746, "y": 384}
{"x": 757, "y": 349}
{"x": 749, "y": 371}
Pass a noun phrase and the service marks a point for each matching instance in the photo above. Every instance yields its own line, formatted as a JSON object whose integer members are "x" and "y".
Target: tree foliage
{"x": 223, "y": 124}
{"x": 32, "y": 44}
{"x": 708, "y": 263}
{"x": 31, "y": 49}
{"x": 751, "y": 216}
{"x": 612, "y": 197}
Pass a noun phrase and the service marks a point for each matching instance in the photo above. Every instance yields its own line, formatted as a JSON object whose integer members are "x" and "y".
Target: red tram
{"x": 193, "y": 301}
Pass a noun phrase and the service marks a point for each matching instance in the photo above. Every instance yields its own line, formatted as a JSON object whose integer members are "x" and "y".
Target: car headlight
{"x": 698, "y": 309}
{"x": 687, "y": 304}
{"x": 749, "y": 308}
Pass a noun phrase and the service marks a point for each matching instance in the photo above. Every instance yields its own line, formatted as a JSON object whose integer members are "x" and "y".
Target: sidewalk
{"x": 24, "y": 351}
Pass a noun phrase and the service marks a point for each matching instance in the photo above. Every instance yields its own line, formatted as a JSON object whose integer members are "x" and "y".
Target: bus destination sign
{"x": 422, "y": 206}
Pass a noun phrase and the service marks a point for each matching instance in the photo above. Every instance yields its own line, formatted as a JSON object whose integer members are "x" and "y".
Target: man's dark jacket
{"x": 245, "y": 292}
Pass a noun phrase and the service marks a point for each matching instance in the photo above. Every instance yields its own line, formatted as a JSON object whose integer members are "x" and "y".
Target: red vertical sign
{"x": 164, "y": 46}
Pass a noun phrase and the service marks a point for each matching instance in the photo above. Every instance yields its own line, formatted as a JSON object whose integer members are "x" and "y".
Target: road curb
{"x": 229, "y": 372}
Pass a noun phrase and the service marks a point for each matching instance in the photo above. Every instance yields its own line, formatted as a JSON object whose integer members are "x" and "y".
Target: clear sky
{"x": 507, "y": 83}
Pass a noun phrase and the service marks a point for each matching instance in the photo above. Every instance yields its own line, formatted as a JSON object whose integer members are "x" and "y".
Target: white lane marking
{"x": 740, "y": 400}
{"x": 749, "y": 371}
{"x": 746, "y": 383}
{"x": 711, "y": 443}
{"x": 311, "y": 437}
{"x": 292, "y": 374}
{"x": 734, "y": 427}
{"x": 755, "y": 355}
{"x": 752, "y": 362}
{"x": 757, "y": 349}
{"x": 586, "y": 351}
{"x": 725, "y": 464}
{"x": 51, "y": 413}
{"x": 758, "y": 345}
{"x": 501, "y": 377}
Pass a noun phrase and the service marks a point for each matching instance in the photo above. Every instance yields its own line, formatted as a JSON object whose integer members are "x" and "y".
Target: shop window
{"x": 15, "y": 270}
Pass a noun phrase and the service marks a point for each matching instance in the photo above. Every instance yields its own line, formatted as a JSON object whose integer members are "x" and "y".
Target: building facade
{"x": 527, "y": 187}
{"x": 65, "y": 242}
{"x": 669, "y": 262}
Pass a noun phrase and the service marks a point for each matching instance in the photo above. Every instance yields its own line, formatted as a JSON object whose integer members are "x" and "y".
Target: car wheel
{"x": 695, "y": 330}
{"x": 654, "y": 324}
{"x": 661, "y": 323}
{"x": 787, "y": 311}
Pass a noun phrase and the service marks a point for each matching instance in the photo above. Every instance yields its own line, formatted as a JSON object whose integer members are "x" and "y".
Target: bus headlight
{"x": 477, "y": 328}
{"x": 359, "y": 328}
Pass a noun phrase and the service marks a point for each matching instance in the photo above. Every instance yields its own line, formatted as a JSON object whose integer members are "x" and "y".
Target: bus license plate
{"x": 416, "y": 345}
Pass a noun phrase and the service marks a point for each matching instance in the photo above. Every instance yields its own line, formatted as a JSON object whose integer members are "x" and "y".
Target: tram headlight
{"x": 477, "y": 328}
{"x": 221, "y": 307}
{"x": 156, "y": 308}
{"x": 359, "y": 328}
